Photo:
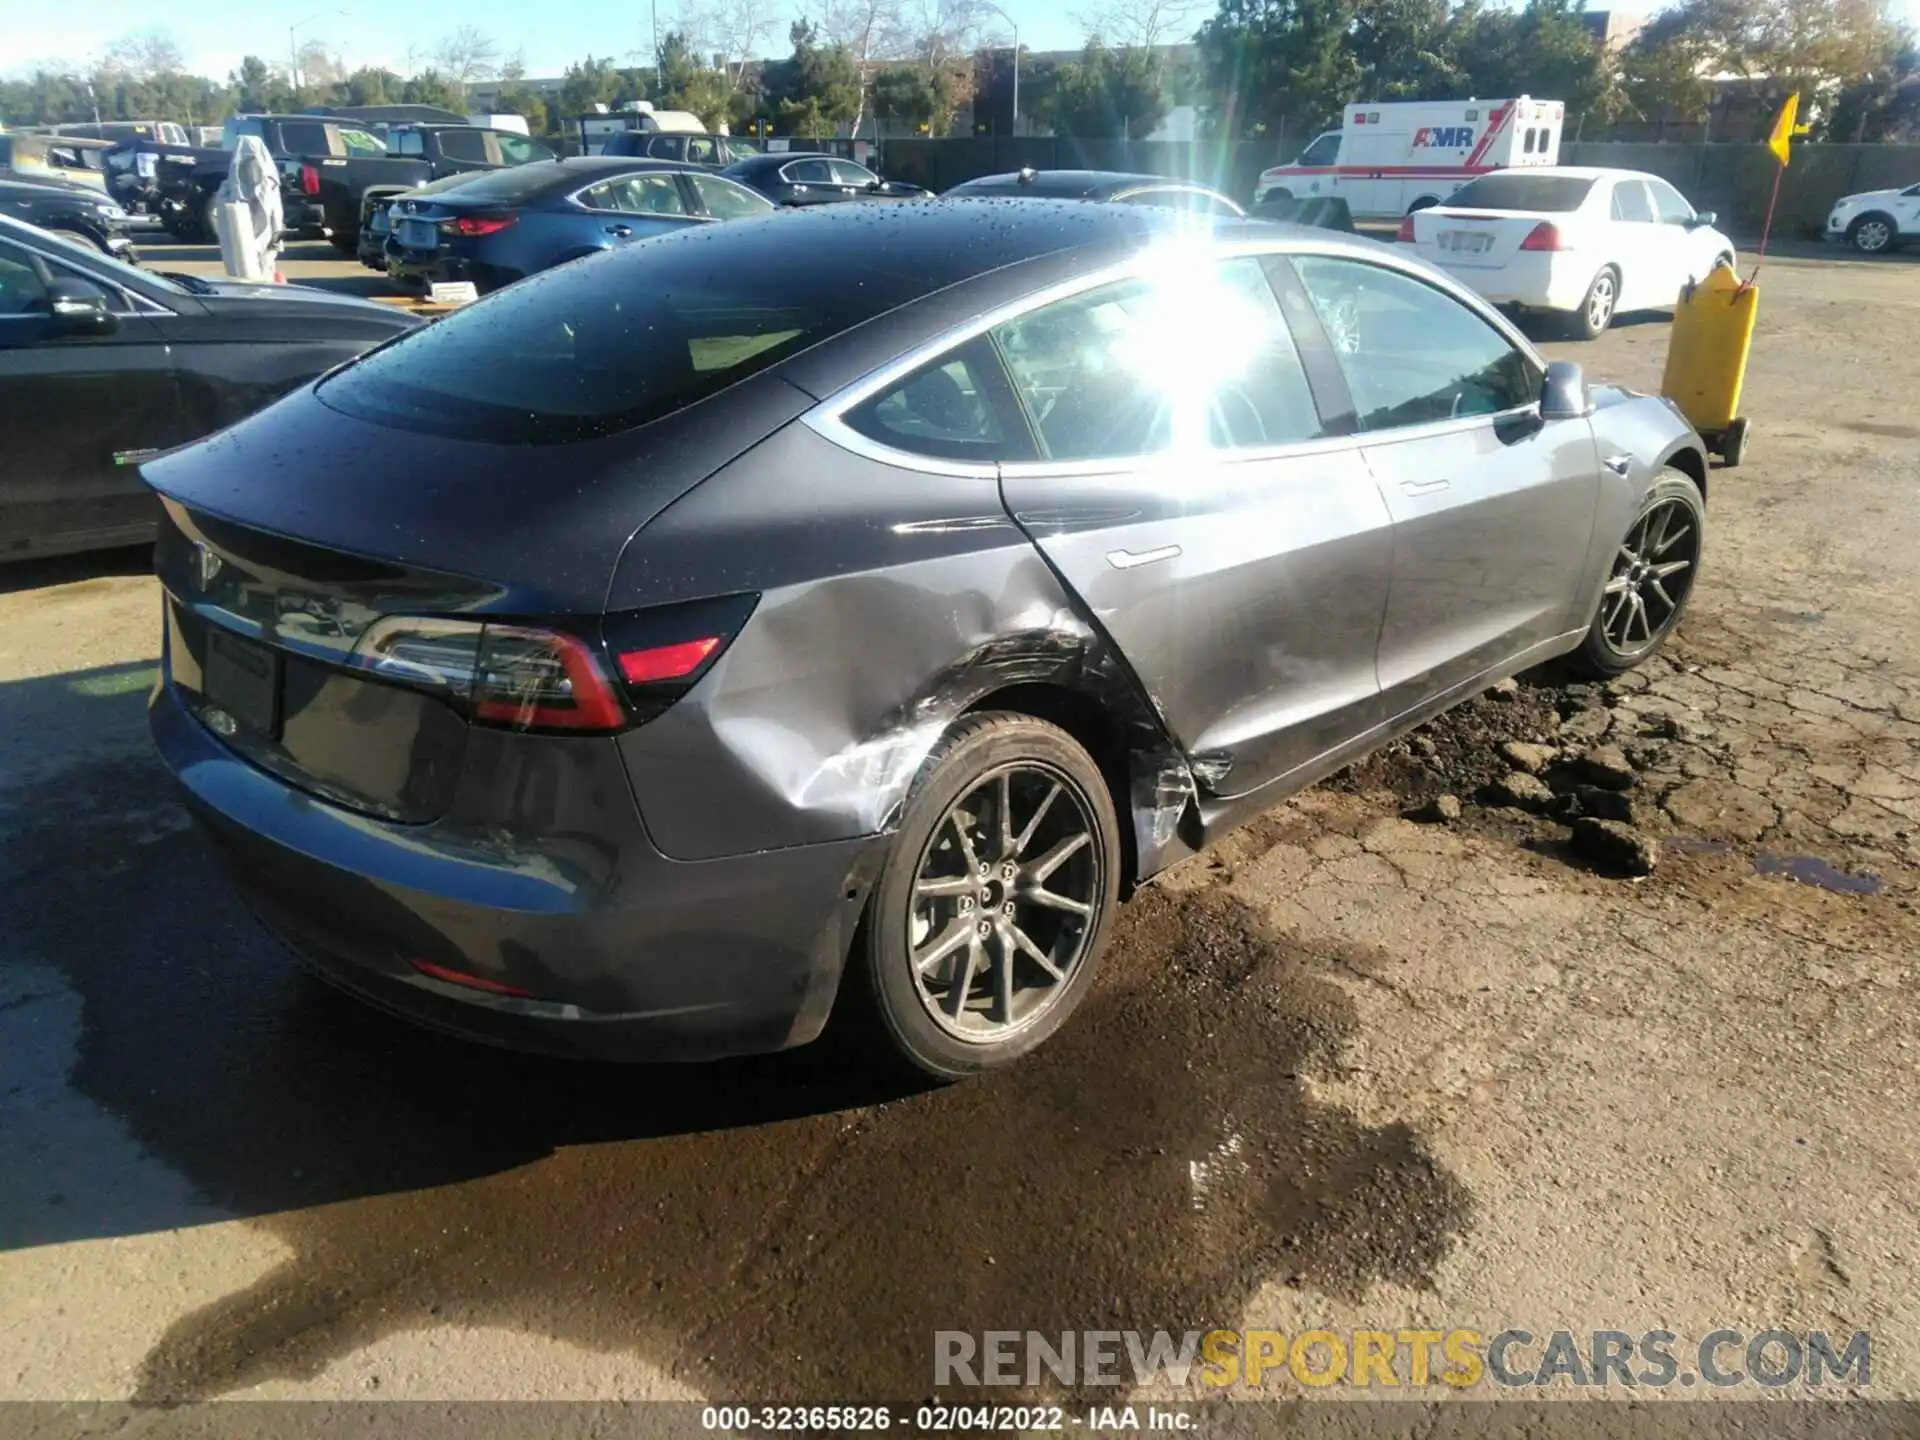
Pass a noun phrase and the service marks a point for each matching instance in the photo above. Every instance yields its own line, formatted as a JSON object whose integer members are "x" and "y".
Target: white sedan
{"x": 1579, "y": 243}
{"x": 1876, "y": 221}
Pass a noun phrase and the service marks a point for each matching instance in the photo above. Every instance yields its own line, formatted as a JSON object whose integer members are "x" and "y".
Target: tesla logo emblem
{"x": 206, "y": 565}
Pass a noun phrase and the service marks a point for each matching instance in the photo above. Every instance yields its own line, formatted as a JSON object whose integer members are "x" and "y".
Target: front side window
{"x": 21, "y": 289}
{"x": 701, "y": 151}
{"x": 1196, "y": 356}
{"x": 1411, "y": 354}
{"x": 724, "y": 200}
{"x": 1630, "y": 203}
{"x": 845, "y": 172}
{"x": 949, "y": 408}
{"x": 1321, "y": 152}
{"x": 1669, "y": 204}
{"x": 807, "y": 172}
{"x": 409, "y": 142}
{"x": 667, "y": 147}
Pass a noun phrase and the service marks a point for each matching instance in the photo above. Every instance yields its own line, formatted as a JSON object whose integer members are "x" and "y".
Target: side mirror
{"x": 1564, "y": 395}
{"x": 79, "y": 307}
{"x": 1703, "y": 218}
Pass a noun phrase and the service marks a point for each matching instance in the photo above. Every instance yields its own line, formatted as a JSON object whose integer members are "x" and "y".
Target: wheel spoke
{"x": 1005, "y": 826}
{"x": 1620, "y": 606}
{"x": 1669, "y": 542}
{"x": 1036, "y": 954}
{"x": 1626, "y": 553}
{"x": 1640, "y": 611}
{"x": 1025, "y": 837}
{"x": 963, "y": 982}
{"x": 1656, "y": 528}
{"x": 1665, "y": 599}
{"x": 1041, "y": 896}
{"x": 966, "y": 841}
{"x": 1003, "y": 976}
{"x": 949, "y": 940}
{"x": 946, "y": 886}
{"x": 1062, "y": 852}
{"x": 1617, "y": 584}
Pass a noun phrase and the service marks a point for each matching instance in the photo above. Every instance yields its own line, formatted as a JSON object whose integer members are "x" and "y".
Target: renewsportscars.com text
{"x": 1459, "y": 1359}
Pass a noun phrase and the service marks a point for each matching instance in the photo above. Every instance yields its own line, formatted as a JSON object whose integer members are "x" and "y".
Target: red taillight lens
{"x": 1544, "y": 236}
{"x": 471, "y": 982}
{"x": 480, "y": 224}
{"x": 667, "y": 662}
{"x": 1406, "y": 231}
{"x": 309, "y": 180}
{"x": 542, "y": 680}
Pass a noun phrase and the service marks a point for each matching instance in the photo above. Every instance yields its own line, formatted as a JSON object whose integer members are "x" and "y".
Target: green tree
{"x": 592, "y": 82}
{"x": 1274, "y": 65}
{"x": 371, "y": 85}
{"x": 686, "y": 84}
{"x": 1105, "y": 93}
{"x": 815, "y": 89}
{"x": 430, "y": 87}
{"x": 1544, "y": 49}
{"x": 1408, "y": 50}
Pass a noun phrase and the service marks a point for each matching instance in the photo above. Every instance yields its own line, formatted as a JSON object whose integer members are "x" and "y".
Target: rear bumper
{"x": 1534, "y": 280}
{"x": 627, "y": 955}
{"x": 416, "y": 270}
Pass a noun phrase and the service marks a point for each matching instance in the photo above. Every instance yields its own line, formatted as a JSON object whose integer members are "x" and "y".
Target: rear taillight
{"x": 1405, "y": 236}
{"x": 309, "y": 180}
{"x": 1544, "y": 236}
{"x": 479, "y": 224}
{"x": 538, "y": 677}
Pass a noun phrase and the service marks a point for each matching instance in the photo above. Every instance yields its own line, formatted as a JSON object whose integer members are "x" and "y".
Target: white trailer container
{"x": 1389, "y": 160}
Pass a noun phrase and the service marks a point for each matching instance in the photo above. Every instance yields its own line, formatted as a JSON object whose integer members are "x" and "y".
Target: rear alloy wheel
{"x": 985, "y": 927}
{"x": 1595, "y": 314}
{"x": 1651, "y": 578}
{"x": 1872, "y": 234}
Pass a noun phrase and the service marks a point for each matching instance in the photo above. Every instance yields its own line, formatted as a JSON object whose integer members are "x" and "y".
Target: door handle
{"x": 623, "y": 231}
{"x": 1618, "y": 464}
{"x": 1128, "y": 560}
{"x": 1423, "y": 487}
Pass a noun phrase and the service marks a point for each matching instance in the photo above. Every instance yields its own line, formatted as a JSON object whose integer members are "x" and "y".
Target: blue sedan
{"x": 508, "y": 224}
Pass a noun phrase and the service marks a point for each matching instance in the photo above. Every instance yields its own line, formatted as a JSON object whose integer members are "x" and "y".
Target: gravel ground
{"x": 1369, "y": 1065}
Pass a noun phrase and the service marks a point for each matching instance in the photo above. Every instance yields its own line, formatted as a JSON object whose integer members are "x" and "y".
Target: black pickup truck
{"x": 327, "y": 165}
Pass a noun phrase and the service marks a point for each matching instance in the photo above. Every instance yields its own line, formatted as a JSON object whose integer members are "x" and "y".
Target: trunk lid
{"x": 1473, "y": 239}
{"x": 285, "y": 538}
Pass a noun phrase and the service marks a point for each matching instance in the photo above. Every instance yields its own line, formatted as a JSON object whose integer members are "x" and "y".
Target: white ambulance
{"x": 1387, "y": 161}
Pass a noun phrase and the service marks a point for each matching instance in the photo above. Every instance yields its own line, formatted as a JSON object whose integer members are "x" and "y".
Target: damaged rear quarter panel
{"x": 892, "y": 600}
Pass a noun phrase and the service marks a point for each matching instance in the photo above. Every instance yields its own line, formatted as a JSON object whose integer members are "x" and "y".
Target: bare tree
{"x": 872, "y": 31}
{"x": 467, "y": 55}
{"x": 1142, "y": 24}
{"x": 320, "y": 68}
{"x": 730, "y": 32}
{"x": 145, "y": 55}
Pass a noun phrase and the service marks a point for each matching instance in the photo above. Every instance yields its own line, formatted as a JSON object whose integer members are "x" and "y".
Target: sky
{"x": 215, "y": 34}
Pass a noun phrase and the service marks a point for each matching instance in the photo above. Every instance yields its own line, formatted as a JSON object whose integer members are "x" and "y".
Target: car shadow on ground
{"x": 797, "y": 1224}
{"x": 22, "y": 575}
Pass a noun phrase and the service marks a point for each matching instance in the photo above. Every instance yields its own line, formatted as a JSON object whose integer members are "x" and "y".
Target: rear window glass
{"x": 606, "y": 344}
{"x": 516, "y": 183}
{"x": 1522, "y": 192}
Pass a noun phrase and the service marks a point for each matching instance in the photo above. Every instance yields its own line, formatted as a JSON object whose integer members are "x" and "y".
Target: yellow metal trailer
{"x": 1707, "y": 359}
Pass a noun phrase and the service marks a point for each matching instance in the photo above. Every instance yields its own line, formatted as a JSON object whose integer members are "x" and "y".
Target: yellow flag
{"x": 1784, "y": 128}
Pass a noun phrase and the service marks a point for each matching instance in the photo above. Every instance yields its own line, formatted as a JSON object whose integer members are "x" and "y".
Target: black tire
{"x": 1600, "y": 654}
{"x": 209, "y": 220}
{"x": 1874, "y": 234}
{"x": 884, "y": 983}
{"x": 1597, "y": 308}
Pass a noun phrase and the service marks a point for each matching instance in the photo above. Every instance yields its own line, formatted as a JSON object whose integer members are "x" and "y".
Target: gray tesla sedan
{"x": 849, "y": 608}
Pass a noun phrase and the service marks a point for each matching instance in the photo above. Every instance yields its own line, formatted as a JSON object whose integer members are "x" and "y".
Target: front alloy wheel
{"x": 985, "y": 925}
{"x": 1650, "y": 579}
{"x": 1872, "y": 235}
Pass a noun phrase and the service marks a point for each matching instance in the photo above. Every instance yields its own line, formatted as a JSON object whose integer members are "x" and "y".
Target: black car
{"x": 102, "y": 365}
{"x": 1111, "y": 187}
{"x": 76, "y": 211}
{"x": 841, "y": 610}
{"x": 788, "y": 179}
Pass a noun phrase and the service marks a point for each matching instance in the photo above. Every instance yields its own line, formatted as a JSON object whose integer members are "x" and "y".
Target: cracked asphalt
{"x": 1352, "y": 1070}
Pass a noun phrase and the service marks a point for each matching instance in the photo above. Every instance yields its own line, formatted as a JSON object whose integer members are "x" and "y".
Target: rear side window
{"x": 701, "y": 151}
{"x": 600, "y": 347}
{"x": 469, "y": 145}
{"x": 305, "y": 137}
{"x": 1510, "y": 191}
{"x": 667, "y": 147}
{"x": 1630, "y": 202}
{"x": 725, "y": 200}
{"x": 950, "y": 408}
{"x": 807, "y": 172}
